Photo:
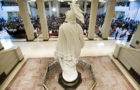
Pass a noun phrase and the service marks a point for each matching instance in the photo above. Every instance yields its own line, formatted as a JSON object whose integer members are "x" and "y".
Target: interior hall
{"x": 42, "y": 41}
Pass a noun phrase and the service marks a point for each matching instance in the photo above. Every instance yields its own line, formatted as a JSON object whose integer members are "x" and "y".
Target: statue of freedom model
{"x": 70, "y": 42}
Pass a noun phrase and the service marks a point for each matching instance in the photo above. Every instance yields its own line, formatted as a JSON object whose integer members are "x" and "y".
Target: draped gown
{"x": 68, "y": 49}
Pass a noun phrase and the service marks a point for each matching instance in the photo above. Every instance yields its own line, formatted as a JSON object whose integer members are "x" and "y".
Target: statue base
{"x": 70, "y": 85}
{"x": 53, "y": 78}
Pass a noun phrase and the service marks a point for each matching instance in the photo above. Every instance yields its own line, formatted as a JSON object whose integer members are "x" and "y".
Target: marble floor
{"x": 39, "y": 48}
{"x": 33, "y": 71}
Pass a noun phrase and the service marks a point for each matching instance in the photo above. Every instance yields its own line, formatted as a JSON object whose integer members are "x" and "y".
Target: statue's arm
{"x": 59, "y": 43}
{"x": 61, "y": 34}
{"x": 81, "y": 37}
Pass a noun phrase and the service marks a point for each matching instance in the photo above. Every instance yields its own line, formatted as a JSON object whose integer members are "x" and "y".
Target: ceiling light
{"x": 54, "y": 9}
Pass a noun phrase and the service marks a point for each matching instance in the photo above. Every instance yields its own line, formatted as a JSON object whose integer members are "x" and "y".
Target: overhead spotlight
{"x": 54, "y": 9}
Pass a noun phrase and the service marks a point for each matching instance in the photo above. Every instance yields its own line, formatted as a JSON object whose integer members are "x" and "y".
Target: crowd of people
{"x": 122, "y": 28}
{"x": 119, "y": 27}
{"x": 2, "y": 22}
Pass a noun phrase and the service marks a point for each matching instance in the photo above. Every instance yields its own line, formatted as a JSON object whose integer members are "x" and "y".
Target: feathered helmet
{"x": 74, "y": 12}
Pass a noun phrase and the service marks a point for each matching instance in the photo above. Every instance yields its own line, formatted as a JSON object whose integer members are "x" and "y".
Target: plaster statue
{"x": 70, "y": 42}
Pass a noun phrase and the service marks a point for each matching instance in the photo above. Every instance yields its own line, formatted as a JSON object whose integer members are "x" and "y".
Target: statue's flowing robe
{"x": 69, "y": 46}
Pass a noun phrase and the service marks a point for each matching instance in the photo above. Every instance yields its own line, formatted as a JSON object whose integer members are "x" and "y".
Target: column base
{"x": 132, "y": 46}
{"x": 70, "y": 85}
{"x": 45, "y": 39}
{"x": 105, "y": 38}
{"x": 29, "y": 40}
{"x": 90, "y": 39}
{"x": 1, "y": 48}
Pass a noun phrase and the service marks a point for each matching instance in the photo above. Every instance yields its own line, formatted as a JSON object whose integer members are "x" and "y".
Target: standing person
{"x": 117, "y": 31}
{"x": 123, "y": 33}
{"x": 120, "y": 32}
{"x": 129, "y": 36}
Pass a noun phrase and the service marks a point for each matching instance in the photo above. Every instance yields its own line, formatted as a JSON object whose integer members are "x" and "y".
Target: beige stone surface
{"x": 125, "y": 73}
{"x": 130, "y": 57}
{"x": 31, "y": 74}
{"x": 43, "y": 20}
{"x": 93, "y": 15}
{"x": 117, "y": 51}
{"x": 108, "y": 18}
{"x": 26, "y": 19}
{"x": 9, "y": 58}
{"x": 136, "y": 38}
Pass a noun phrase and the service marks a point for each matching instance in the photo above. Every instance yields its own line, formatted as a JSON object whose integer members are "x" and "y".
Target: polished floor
{"x": 39, "y": 48}
{"x": 107, "y": 74}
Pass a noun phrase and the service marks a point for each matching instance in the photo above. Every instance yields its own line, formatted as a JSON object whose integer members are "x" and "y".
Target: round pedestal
{"x": 70, "y": 85}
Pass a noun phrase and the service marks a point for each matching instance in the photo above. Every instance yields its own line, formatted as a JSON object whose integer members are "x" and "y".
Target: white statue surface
{"x": 70, "y": 42}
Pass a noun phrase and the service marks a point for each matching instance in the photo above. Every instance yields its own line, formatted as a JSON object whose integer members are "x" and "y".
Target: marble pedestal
{"x": 53, "y": 79}
{"x": 70, "y": 85}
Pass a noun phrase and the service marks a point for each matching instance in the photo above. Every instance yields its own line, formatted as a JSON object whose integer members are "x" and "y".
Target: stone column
{"x": 43, "y": 20}
{"x": 85, "y": 6}
{"x": 108, "y": 19}
{"x": 136, "y": 39}
{"x": 93, "y": 15}
{"x": 28, "y": 6}
{"x": 105, "y": 7}
{"x": 50, "y": 8}
{"x": 30, "y": 9}
{"x": 26, "y": 19}
{"x": 1, "y": 47}
{"x": 57, "y": 8}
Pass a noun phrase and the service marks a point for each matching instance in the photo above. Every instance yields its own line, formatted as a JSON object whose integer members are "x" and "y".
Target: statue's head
{"x": 74, "y": 13}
